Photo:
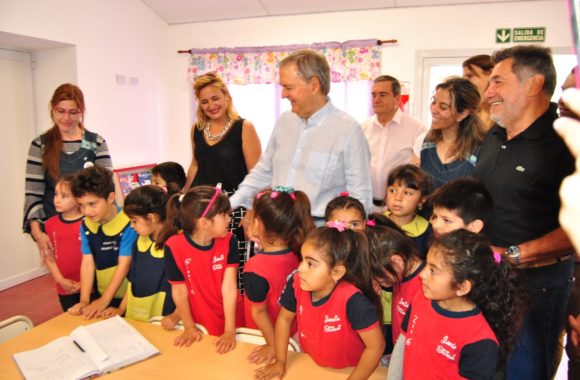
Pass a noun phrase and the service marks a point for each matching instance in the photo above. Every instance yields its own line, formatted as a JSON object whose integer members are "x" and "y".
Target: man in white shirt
{"x": 394, "y": 137}
{"x": 316, "y": 147}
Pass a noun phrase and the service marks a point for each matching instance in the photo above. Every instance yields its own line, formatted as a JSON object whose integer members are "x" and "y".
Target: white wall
{"x": 425, "y": 28}
{"x": 109, "y": 37}
{"x": 89, "y": 42}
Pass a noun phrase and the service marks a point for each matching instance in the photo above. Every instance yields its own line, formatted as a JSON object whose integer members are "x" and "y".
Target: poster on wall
{"x": 130, "y": 178}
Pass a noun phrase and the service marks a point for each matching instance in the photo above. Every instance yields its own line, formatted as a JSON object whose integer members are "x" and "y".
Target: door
{"x": 19, "y": 259}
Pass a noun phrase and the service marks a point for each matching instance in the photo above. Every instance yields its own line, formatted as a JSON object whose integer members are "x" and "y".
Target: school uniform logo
{"x": 447, "y": 348}
{"x": 217, "y": 262}
{"x": 402, "y": 306}
{"x": 332, "y": 324}
{"x": 110, "y": 246}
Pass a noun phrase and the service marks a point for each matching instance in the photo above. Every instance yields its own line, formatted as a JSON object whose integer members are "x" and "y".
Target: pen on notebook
{"x": 78, "y": 345}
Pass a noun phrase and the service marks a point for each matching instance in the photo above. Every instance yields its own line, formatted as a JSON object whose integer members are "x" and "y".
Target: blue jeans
{"x": 548, "y": 288}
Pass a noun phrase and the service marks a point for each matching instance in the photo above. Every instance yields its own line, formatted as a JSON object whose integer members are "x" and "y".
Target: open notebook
{"x": 90, "y": 350}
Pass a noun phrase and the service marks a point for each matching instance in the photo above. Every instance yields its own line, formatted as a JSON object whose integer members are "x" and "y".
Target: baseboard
{"x": 22, "y": 277}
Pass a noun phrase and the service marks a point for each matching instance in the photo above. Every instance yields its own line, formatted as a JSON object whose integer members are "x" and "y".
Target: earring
{"x": 420, "y": 207}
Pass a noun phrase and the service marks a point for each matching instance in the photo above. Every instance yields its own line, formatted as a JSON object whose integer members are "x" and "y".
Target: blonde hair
{"x": 212, "y": 79}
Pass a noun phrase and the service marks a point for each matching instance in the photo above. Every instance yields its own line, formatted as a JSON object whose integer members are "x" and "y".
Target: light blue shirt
{"x": 322, "y": 156}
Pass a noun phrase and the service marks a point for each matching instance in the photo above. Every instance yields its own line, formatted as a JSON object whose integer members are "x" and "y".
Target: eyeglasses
{"x": 73, "y": 113}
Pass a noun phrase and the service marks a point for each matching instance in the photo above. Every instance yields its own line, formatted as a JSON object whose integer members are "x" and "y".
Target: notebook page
{"x": 88, "y": 343}
{"x": 57, "y": 360}
{"x": 121, "y": 343}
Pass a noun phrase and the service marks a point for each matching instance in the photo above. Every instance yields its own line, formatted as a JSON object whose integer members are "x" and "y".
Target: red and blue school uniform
{"x": 328, "y": 329}
{"x": 65, "y": 236}
{"x": 202, "y": 269}
{"x": 106, "y": 243}
{"x": 148, "y": 292}
{"x": 403, "y": 294}
{"x": 265, "y": 275}
{"x": 442, "y": 344}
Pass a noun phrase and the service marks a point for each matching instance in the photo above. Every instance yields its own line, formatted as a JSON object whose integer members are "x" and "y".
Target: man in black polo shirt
{"x": 522, "y": 164}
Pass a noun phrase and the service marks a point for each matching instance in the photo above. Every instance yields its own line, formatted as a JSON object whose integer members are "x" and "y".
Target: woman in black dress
{"x": 225, "y": 146}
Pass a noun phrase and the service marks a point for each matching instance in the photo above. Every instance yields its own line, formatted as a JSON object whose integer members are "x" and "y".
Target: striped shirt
{"x": 35, "y": 181}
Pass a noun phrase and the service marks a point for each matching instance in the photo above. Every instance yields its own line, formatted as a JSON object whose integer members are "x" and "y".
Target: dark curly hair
{"x": 285, "y": 216}
{"x": 495, "y": 287}
{"x": 351, "y": 249}
{"x": 95, "y": 180}
{"x": 183, "y": 214}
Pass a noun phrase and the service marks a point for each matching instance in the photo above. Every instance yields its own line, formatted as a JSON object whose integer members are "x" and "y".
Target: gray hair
{"x": 310, "y": 64}
{"x": 530, "y": 60}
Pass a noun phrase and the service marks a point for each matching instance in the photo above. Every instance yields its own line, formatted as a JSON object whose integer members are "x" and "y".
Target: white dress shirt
{"x": 323, "y": 156}
{"x": 391, "y": 145}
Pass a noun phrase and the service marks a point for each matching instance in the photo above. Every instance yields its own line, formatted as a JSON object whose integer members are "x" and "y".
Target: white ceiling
{"x": 188, "y": 11}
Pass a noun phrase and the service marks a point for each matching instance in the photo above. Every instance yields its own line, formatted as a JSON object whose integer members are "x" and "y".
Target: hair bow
{"x": 336, "y": 224}
{"x": 497, "y": 257}
{"x": 371, "y": 222}
{"x": 276, "y": 190}
{"x": 344, "y": 194}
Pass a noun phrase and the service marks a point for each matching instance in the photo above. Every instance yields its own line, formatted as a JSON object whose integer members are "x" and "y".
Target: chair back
{"x": 14, "y": 326}
{"x": 254, "y": 336}
{"x": 179, "y": 325}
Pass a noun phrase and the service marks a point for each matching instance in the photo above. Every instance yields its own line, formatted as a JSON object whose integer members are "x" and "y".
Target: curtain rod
{"x": 379, "y": 42}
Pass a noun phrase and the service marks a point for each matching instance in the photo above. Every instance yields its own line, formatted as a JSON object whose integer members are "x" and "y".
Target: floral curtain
{"x": 349, "y": 61}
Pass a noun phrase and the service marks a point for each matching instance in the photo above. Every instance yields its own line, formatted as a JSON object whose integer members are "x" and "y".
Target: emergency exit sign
{"x": 505, "y": 35}
{"x": 529, "y": 35}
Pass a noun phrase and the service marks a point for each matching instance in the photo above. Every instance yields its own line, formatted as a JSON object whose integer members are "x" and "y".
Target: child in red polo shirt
{"x": 202, "y": 265}
{"x": 332, "y": 297}
{"x": 281, "y": 220}
{"x": 466, "y": 319}
{"x": 64, "y": 231}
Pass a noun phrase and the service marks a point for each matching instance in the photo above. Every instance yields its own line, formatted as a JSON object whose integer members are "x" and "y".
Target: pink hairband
{"x": 277, "y": 190}
{"x": 336, "y": 224}
{"x": 218, "y": 190}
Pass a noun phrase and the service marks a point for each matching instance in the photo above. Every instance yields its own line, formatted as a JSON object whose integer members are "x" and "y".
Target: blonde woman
{"x": 225, "y": 147}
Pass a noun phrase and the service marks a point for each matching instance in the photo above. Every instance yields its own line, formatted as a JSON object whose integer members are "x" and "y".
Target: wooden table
{"x": 199, "y": 361}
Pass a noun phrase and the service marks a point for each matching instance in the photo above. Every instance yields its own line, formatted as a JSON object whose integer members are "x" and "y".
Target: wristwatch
{"x": 514, "y": 254}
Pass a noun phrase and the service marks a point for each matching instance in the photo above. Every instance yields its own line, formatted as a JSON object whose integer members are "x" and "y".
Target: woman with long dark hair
{"x": 65, "y": 148}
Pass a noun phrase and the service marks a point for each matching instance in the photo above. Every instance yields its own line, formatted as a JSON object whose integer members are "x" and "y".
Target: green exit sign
{"x": 529, "y": 35}
{"x": 505, "y": 35}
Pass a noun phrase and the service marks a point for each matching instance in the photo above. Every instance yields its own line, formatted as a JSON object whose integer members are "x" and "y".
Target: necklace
{"x": 211, "y": 137}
